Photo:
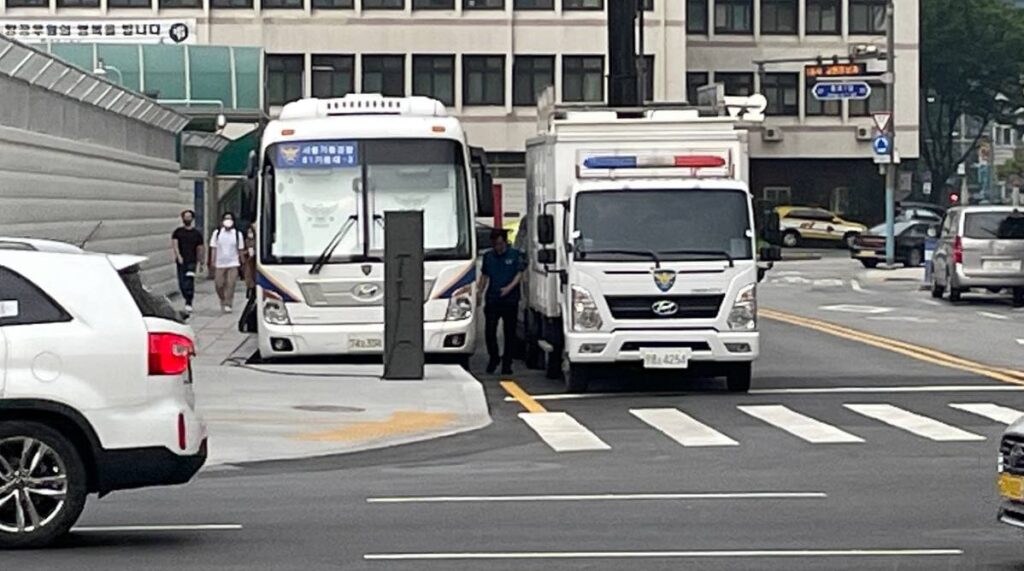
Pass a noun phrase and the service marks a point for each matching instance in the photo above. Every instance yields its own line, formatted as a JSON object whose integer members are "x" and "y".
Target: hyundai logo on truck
{"x": 665, "y": 308}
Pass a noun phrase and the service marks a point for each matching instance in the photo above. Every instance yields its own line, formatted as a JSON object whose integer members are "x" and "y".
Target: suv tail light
{"x": 169, "y": 353}
{"x": 958, "y": 251}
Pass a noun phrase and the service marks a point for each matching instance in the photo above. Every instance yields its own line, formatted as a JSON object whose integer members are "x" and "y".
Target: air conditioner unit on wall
{"x": 865, "y": 134}
{"x": 773, "y": 134}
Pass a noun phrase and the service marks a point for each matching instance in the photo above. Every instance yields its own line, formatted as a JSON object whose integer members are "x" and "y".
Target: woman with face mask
{"x": 226, "y": 248}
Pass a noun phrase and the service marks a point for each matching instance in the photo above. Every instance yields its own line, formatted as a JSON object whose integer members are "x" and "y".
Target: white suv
{"x": 95, "y": 387}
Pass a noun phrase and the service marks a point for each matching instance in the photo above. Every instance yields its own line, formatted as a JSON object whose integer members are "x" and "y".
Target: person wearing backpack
{"x": 226, "y": 248}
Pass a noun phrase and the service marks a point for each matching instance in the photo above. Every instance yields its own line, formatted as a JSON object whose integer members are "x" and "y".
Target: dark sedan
{"x": 869, "y": 247}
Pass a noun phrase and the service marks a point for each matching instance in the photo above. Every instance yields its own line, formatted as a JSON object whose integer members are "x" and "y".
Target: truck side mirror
{"x": 772, "y": 226}
{"x": 546, "y": 257}
{"x": 770, "y": 254}
{"x": 546, "y": 229}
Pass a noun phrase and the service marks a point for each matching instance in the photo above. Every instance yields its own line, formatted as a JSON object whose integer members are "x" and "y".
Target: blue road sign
{"x": 832, "y": 91}
{"x": 881, "y": 145}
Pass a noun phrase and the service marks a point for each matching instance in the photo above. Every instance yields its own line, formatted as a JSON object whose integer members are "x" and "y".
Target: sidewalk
{"x": 282, "y": 411}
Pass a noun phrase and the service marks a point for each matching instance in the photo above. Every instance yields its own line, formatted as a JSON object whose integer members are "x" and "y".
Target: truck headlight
{"x": 275, "y": 312}
{"x": 585, "y": 316}
{"x": 743, "y": 315}
{"x": 459, "y": 307}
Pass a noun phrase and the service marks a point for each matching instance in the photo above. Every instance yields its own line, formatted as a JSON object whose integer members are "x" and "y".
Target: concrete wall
{"x": 70, "y": 169}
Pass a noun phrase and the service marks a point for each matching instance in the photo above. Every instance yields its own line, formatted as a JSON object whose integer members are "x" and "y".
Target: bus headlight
{"x": 459, "y": 307}
{"x": 275, "y": 312}
{"x": 585, "y": 315}
{"x": 743, "y": 315}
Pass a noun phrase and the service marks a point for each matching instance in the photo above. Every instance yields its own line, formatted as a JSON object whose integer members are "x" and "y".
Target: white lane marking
{"x": 855, "y": 284}
{"x": 799, "y": 425}
{"x": 794, "y": 391}
{"x": 562, "y": 432}
{"x": 850, "y": 308}
{"x": 908, "y": 319}
{"x": 1020, "y": 341}
{"x": 931, "y": 302}
{"x": 991, "y": 315}
{"x": 602, "y": 497}
{"x": 774, "y": 553}
{"x": 914, "y": 423}
{"x": 1003, "y": 414}
{"x": 182, "y": 527}
{"x": 682, "y": 427}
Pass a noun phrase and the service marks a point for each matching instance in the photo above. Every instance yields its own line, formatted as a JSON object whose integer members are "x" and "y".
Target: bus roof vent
{"x": 364, "y": 104}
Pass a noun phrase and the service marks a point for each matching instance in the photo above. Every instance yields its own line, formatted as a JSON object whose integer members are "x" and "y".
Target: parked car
{"x": 95, "y": 387}
{"x": 980, "y": 247}
{"x": 869, "y": 248}
{"x": 924, "y": 211}
{"x": 800, "y": 224}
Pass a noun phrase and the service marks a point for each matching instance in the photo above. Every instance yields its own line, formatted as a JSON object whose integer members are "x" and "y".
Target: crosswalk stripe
{"x": 799, "y": 425}
{"x": 914, "y": 423}
{"x": 562, "y": 432}
{"x": 991, "y": 411}
{"x": 682, "y": 427}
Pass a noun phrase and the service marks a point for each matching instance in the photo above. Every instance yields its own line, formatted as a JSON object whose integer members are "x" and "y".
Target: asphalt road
{"x": 759, "y": 487}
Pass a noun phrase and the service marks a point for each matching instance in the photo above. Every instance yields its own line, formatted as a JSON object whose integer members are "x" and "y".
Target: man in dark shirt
{"x": 502, "y": 272}
{"x": 187, "y": 246}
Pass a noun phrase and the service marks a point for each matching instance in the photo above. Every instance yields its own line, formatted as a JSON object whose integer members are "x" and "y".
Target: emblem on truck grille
{"x": 665, "y": 308}
{"x": 664, "y": 279}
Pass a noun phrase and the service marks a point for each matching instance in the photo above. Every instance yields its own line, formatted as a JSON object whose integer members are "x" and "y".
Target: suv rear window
{"x": 149, "y": 303}
{"x": 994, "y": 225}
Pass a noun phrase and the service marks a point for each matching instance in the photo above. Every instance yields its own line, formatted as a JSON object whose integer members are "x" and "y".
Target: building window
{"x": 284, "y": 78}
{"x": 534, "y": 4}
{"x": 815, "y": 108}
{"x": 736, "y": 83}
{"x": 384, "y": 74}
{"x": 483, "y": 80}
{"x": 383, "y": 4}
{"x": 128, "y": 3}
{"x": 280, "y": 4}
{"x": 697, "y": 16}
{"x": 649, "y": 78}
{"x": 531, "y": 75}
{"x": 231, "y": 4}
{"x": 333, "y": 4}
{"x": 874, "y": 104}
{"x": 783, "y": 93}
{"x": 28, "y": 3}
{"x": 433, "y": 4}
{"x": 434, "y": 76}
{"x": 734, "y": 17}
{"x": 583, "y": 4}
{"x": 694, "y": 81}
{"x": 582, "y": 78}
{"x": 778, "y": 17}
{"x": 867, "y": 17}
{"x": 96, "y": 4}
{"x": 823, "y": 17}
{"x": 483, "y": 4}
{"x": 333, "y": 75}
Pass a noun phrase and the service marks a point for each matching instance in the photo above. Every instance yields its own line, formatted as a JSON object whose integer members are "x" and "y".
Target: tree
{"x": 972, "y": 60}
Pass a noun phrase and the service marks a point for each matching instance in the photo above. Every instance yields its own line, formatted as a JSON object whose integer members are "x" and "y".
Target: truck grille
{"x": 641, "y": 307}
{"x": 638, "y": 345}
{"x": 1005, "y": 448}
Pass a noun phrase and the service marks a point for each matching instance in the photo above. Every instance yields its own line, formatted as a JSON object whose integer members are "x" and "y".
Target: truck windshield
{"x": 677, "y": 225}
{"x": 319, "y": 186}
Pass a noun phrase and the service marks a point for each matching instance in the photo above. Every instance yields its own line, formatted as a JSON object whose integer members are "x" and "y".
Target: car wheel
{"x": 914, "y": 258}
{"x": 791, "y": 239}
{"x": 42, "y": 485}
{"x": 737, "y": 377}
{"x": 849, "y": 239}
{"x": 867, "y": 263}
{"x": 576, "y": 377}
{"x": 1018, "y": 297}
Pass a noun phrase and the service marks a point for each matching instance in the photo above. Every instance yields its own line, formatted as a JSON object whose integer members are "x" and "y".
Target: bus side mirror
{"x": 484, "y": 183}
{"x": 546, "y": 229}
{"x": 249, "y": 195}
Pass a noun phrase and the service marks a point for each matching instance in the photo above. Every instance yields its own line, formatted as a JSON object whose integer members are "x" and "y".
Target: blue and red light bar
{"x": 654, "y": 161}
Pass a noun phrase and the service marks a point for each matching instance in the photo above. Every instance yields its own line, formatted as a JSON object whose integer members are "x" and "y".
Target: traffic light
{"x": 954, "y": 198}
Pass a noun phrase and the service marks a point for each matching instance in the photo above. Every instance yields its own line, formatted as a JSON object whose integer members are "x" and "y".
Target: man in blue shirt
{"x": 502, "y": 271}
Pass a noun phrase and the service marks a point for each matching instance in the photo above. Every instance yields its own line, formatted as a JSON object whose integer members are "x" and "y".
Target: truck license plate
{"x": 365, "y": 342}
{"x": 1001, "y": 265}
{"x": 1011, "y": 487}
{"x": 666, "y": 358}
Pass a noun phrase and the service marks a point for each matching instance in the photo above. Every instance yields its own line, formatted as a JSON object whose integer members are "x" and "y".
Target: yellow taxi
{"x": 800, "y": 224}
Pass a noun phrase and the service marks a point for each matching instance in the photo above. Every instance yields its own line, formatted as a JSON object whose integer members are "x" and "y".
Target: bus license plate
{"x": 365, "y": 342}
{"x": 666, "y": 358}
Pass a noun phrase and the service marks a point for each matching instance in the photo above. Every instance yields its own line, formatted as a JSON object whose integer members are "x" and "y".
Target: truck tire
{"x": 54, "y": 483}
{"x": 869, "y": 263}
{"x": 1018, "y": 297}
{"x": 737, "y": 377}
{"x": 576, "y": 377}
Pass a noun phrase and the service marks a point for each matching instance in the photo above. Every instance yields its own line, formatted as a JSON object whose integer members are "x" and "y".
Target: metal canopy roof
{"x": 37, "y": 68}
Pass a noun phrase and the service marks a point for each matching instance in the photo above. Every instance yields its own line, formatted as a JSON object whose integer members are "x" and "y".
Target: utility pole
{"x": 892, "y": 169}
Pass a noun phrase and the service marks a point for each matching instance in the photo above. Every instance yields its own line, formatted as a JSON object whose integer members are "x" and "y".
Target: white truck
{"x": 642, "y": 247}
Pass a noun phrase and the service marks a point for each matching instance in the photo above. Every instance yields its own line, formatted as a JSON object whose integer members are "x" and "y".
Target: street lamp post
{"x": 103, "y": 69}
{"x": 892, "y": 170}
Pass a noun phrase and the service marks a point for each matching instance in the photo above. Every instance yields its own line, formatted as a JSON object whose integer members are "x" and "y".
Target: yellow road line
{"x": 398, "y": 424}
{"x": 907, "y": 349}
{"x": 521, "y": 397}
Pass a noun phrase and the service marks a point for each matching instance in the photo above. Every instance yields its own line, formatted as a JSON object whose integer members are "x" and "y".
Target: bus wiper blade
{"x": 618, "y": 252}
{"x": 332, "y": 245}
{"x": 716, "y": 253}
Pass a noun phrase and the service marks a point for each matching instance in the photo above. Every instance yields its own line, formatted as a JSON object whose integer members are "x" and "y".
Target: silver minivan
{"x": 980, "y": 247}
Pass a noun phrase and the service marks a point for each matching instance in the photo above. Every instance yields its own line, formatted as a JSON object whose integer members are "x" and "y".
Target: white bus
{"x": 328, "y": 171}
